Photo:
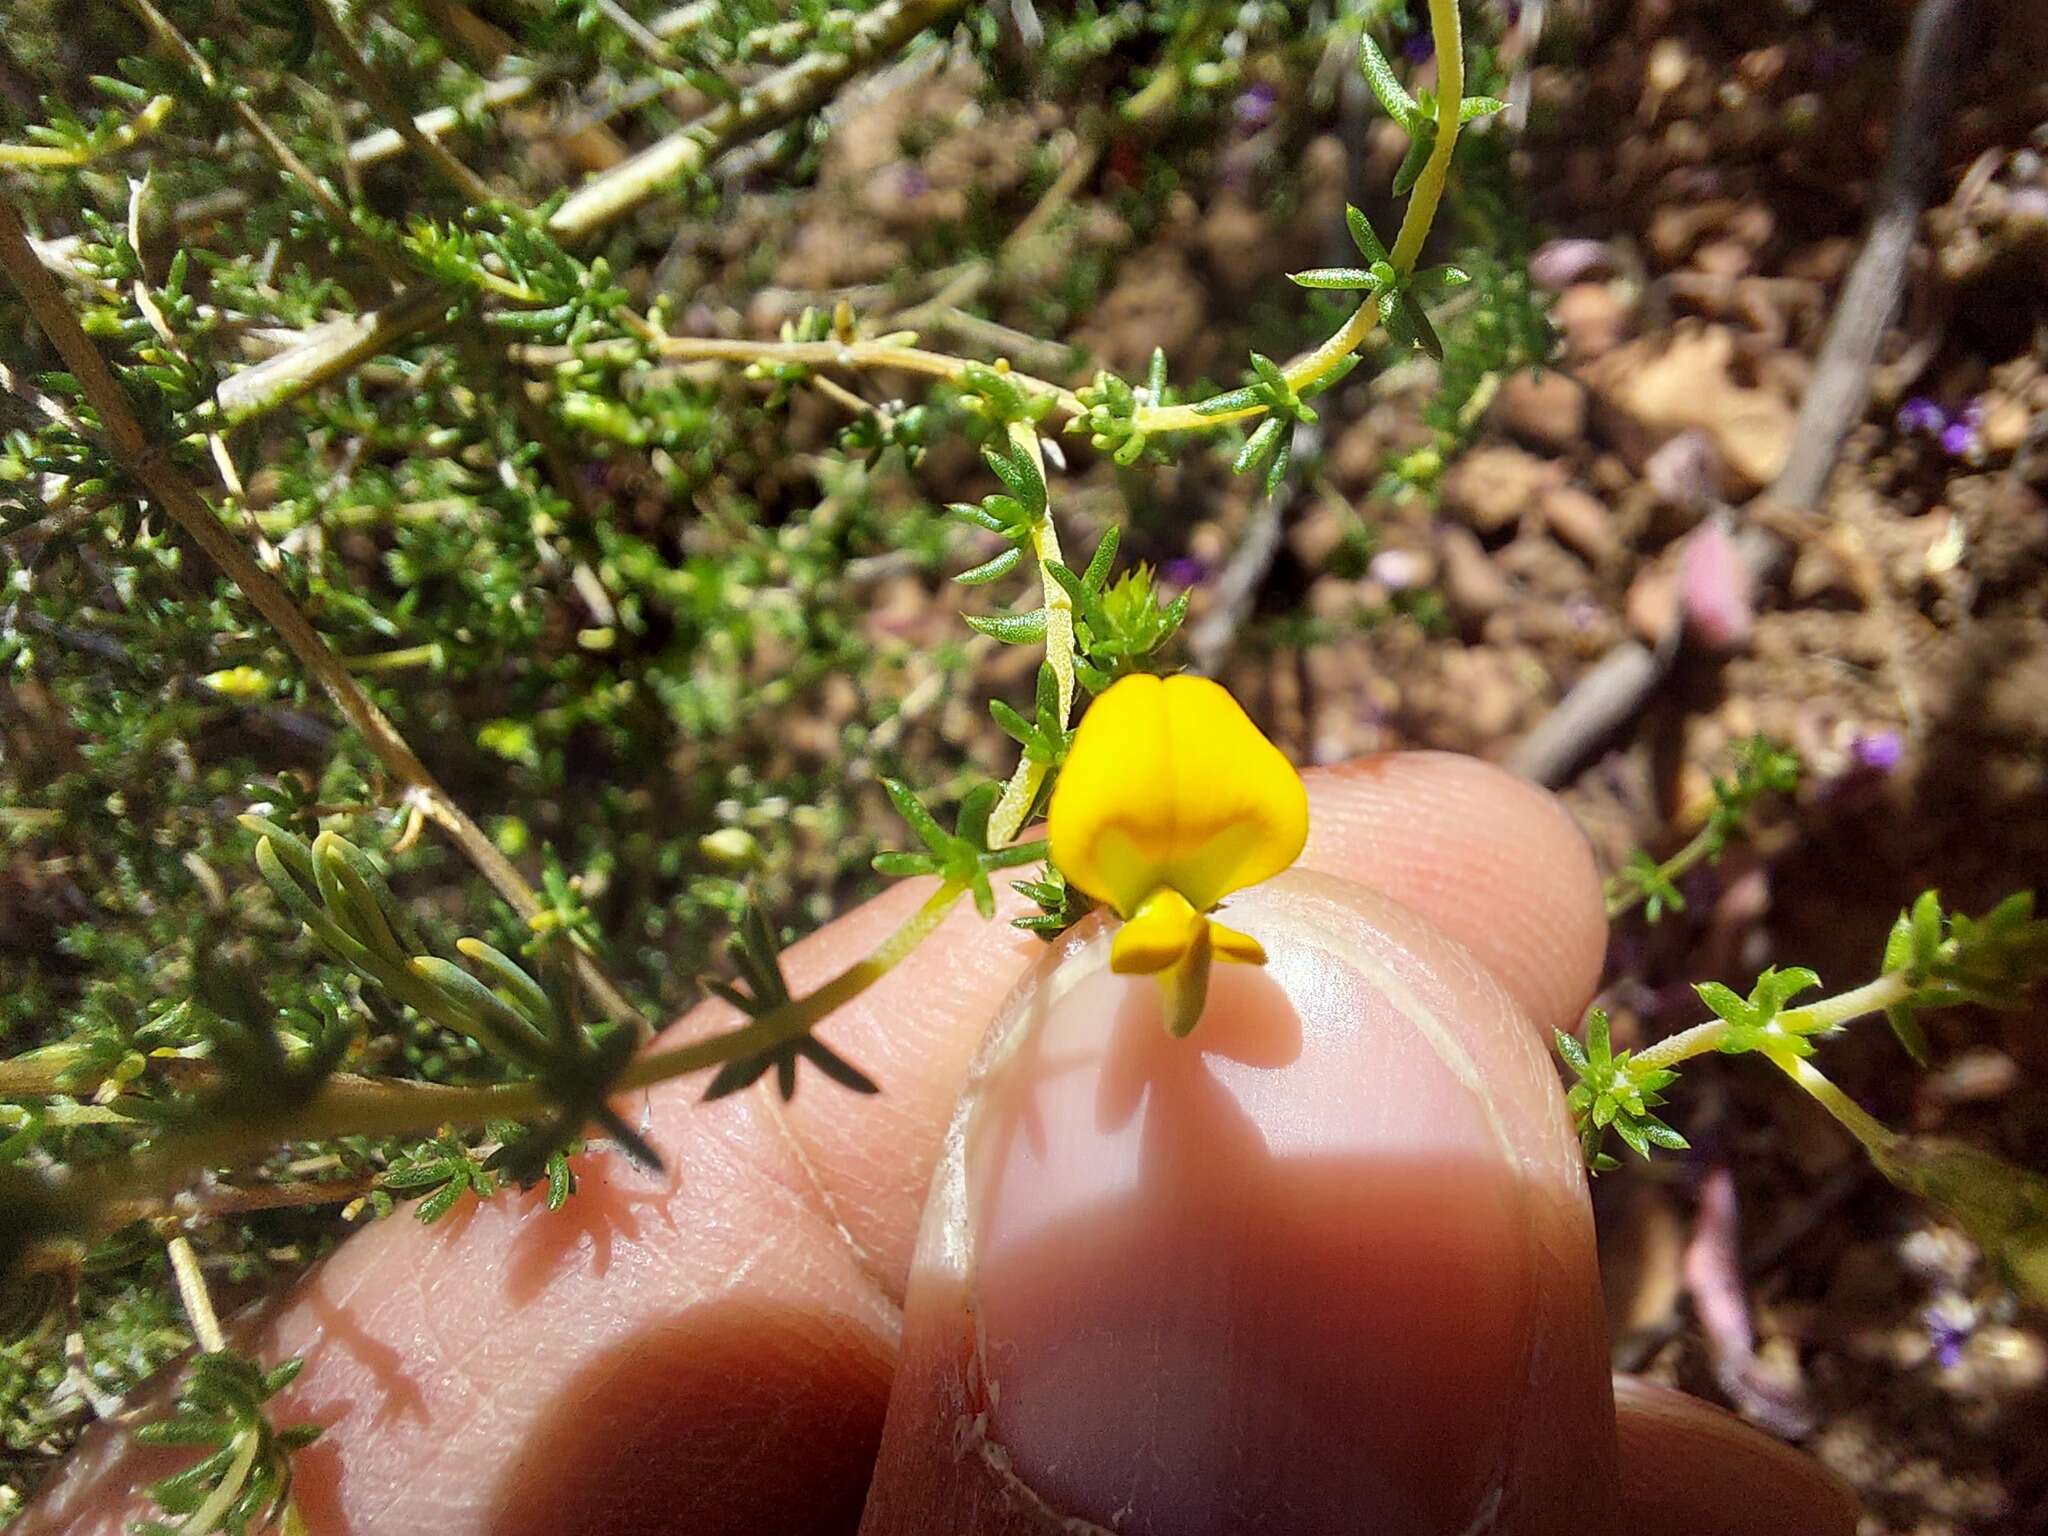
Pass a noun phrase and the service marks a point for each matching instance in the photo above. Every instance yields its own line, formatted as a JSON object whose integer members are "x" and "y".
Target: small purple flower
{"x": 1959, "y": 437}
{"x": 1879, "y": 751}
{"x": 914, "y": 182}
{"x": 1185, "y": 571}
{"x": 1921, "y": 414}
{"x": 1254, "y": 108}
{"x": 1948, "y": 1330}
{"x": 1419, "y": 49}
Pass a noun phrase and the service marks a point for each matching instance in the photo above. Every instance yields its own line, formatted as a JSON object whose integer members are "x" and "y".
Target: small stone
{"x": 1723, "y": 258}
{"x": 1676, "y": 227}
{"x": 1472, "y": 585}
{"x": 1543, "y": 407}
{"x": 1332, "y": 598}
{"x": 1238, "y": 243}
{"x": 1558, "y": 264}
{"x": 1355, "y": 457}
{"x": 1977, "y": 1075}
{"x": 1716, "y": 588}
{"x": 1663, "y": 387}
{"x": 1593, "y": 319}
{"x": 1685, "y": 472}
{"x": 1610, "y": 475}
{"x": 1581, "y": 520}
{"x": 1318, "y": 534}
{"x": 2005, "y": 426}
{"x": 1491, "y": 487}
{"x": 1651, "y": 607}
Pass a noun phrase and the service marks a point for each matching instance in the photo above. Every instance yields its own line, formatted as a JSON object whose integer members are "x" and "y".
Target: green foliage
{"x": 1612, "y": 1093}
{"x": 1110, "y": 413}
{"x": 1947, "y": 959}
{"x": 1416, "y": 115}
{"x": 1397, "y": 297}
{"x": 438, "y": 1174}
{"x": 1271, "y": 443}
{"x": 1753, "y": 1022}
{"x": 1120, "y": 627}
{"x": 2004, "y": 1209}
{"x": 556, "y": 298}
{"x": 1762, "y": 767}
{"x": 759, "y": 959}
{"x": 1060, "y": 905}
{"x": 66, "y": 140}
{"x": 962, "y": 858}
{"x": 596, "y": 580}
{"x": 1014, "y": 515}
{"x": 1044, "y": 736}
{"x": 1644, "y": 879}
{"x": 1931, "y": 960}
{"x": 244, "y": 1480}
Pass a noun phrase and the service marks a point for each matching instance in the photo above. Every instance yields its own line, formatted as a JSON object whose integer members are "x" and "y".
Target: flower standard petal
{"x": 1170, "y": 800}
{"x": 1169, "y": 783}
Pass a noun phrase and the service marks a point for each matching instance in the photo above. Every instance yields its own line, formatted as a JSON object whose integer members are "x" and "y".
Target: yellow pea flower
{"x": 1170, "y": 800}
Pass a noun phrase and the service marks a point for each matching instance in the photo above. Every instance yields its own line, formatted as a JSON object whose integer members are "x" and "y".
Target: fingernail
{"x": 1281, "y": 1274}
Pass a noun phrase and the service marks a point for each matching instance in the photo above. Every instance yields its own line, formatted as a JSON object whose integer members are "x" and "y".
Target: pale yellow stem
{"x": 1021, "y": 793}
{"x": 1312, "y": 367}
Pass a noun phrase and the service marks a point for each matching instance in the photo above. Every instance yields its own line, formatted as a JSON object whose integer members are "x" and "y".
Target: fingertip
{"x": 1311, "y": 1267}
{"x": 1692, "y": 1469}
{"x": 1493, "y": 860}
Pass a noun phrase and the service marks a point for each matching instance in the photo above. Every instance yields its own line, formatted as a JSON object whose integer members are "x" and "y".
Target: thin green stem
{"x": 387, "y": 143}
{"x": 431, "y": 654}
{"x": 63, "y": 1116}
{"x": 1877, "y": 1138}
{"x": 207, "y": 1517}
{"x": 192, "y": 1292}
{"x": 884, "y": 352}
{"x": 113, "y": 1194}
{"x": 377, "y": 91}
{"x": 1444, "y": 27}
{"x": 1021, "y": 793}
{"x": 1312, "y": 367}
{"x": 797, "y": 1017}
{"x": 1623, "y": 898}
{"x": 1304, "y": 371}
{"x": 1871, "y": 997}
{"x": 53, "y": 156}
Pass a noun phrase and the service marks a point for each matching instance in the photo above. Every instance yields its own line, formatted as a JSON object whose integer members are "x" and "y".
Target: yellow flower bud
{"x": 240, "y": 683}
{"x": 1170, "y": 800}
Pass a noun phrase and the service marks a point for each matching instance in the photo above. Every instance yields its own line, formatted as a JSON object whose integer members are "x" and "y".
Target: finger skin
{"x": 665, "y": 1350}
{"x": 1690, "y": 1466}
{"x": 1325, "y": 1266}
